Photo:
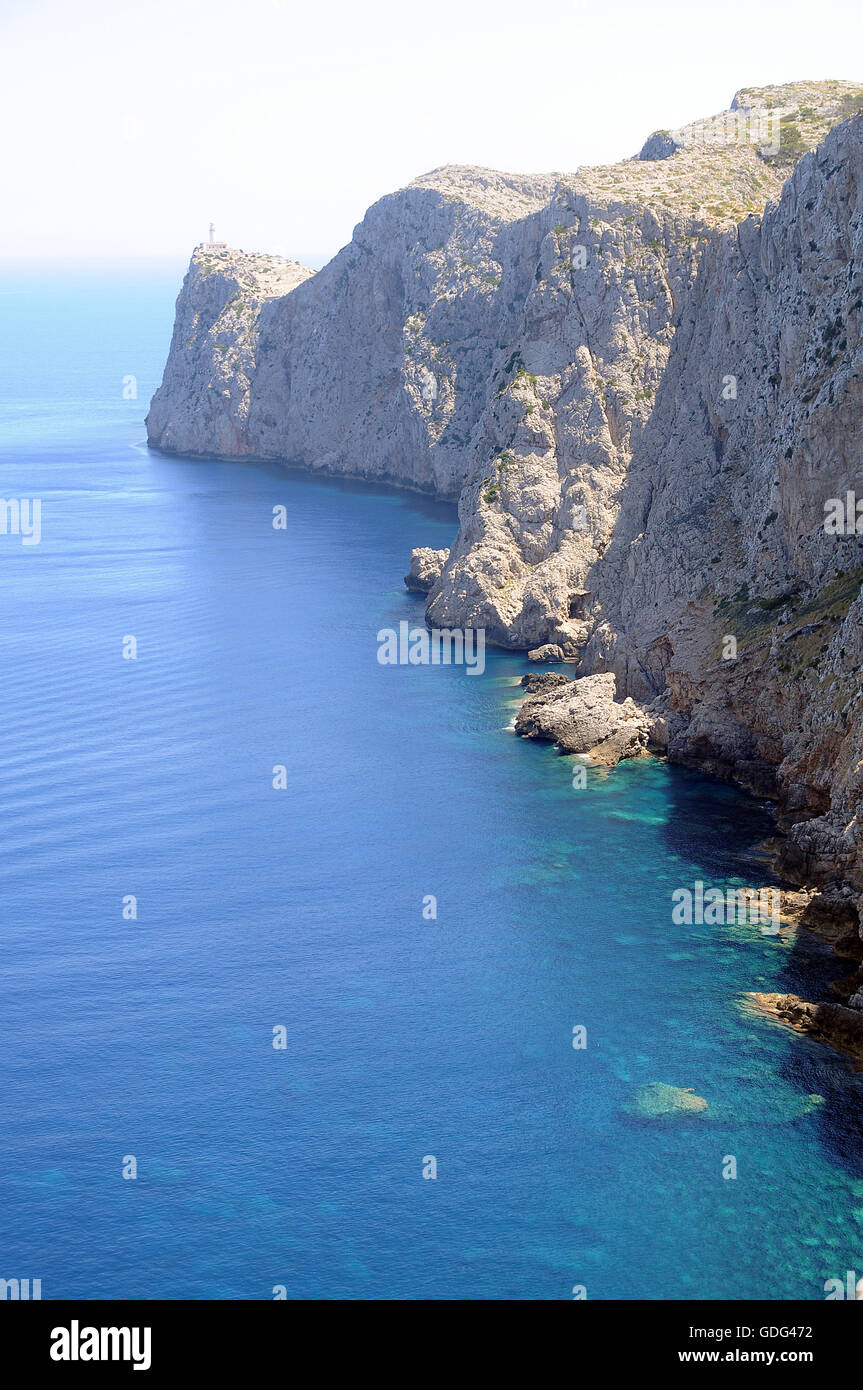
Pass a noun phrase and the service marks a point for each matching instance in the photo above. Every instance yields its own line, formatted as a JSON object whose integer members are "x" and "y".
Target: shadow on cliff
{"x": 726, "y": 830}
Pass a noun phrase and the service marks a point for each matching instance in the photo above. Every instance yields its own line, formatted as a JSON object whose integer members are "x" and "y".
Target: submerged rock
{"x": 583, "y": 716}
{"x": 425, "y": 570}
{"x": 657, "y": 1099}
{"x": 767, "y": 1108}
{"x": 754, "y": 1106}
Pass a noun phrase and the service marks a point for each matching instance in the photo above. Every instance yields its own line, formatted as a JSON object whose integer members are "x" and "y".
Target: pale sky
{"x": 128, "y": 126}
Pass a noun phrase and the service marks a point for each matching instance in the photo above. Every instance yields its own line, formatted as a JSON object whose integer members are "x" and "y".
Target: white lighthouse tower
{"x": 211, "y": 244}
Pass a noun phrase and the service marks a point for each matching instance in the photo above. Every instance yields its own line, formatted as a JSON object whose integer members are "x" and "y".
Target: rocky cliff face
{"x": 202, "y": 406}
{"x": 720, "y": 591}
{"x": 378, "y": 366}
{"x": 643, "y": 382}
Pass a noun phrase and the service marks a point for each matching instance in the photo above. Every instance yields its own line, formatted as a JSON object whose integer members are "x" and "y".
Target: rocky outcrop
{"x": 582, "y": 716}
{"x": 549, "y": 651}
{"x": 202, "y": 406}
{"x": 536, "y": 681}
{"x": 425, "y": 570}
{"x": 660, "y": 145}
{"x": 378, "y": 366}
{"x": 831, "y": 1023}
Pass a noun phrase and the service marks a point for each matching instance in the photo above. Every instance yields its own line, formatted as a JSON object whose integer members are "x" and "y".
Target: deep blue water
{"x": 303, "y": 908}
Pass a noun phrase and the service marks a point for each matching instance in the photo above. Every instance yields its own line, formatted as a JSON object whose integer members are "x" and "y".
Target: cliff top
{"x": 713, "y": 185}
{"x": 254, "y": 272}
{"x": 814, "y": 106}
{"x": 780, "y": 122}
{"x": 716, "y": 170}
{"x": 507, "y": 196}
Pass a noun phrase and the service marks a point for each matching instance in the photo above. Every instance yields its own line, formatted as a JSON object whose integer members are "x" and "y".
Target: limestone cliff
{"x": 643, "y": 382}
{"x": 379, "y": 365}
{"x": 202, "y": 406}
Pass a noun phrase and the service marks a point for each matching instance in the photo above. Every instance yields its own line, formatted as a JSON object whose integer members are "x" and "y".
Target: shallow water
{"x": 303, "y": 908}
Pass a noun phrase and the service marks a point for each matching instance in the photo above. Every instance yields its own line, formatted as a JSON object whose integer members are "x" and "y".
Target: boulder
{"x": 583, "y": 716}
{"x": 425, "y": 570}
{"x": 548, "y": 652}
{"x": 536, "y": 681}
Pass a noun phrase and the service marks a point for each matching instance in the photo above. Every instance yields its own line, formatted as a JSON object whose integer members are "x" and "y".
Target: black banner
{"x": 217, "y": 1340}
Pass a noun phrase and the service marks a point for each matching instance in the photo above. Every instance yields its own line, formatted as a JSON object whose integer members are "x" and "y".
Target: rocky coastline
{"x": 582, "y": 716}
{"x": 644, "y": 382}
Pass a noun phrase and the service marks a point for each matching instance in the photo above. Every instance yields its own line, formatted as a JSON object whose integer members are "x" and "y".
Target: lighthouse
{"x": 211, "y": 244}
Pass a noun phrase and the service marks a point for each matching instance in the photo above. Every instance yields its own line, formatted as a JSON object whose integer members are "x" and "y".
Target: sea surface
{"x": 407, "y": 1037}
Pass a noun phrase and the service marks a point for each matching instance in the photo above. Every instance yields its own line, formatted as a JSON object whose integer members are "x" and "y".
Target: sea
{"x": 319, "y": 982}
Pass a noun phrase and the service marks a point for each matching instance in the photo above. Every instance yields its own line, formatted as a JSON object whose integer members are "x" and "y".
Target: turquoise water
{"x": 302, "y": 908}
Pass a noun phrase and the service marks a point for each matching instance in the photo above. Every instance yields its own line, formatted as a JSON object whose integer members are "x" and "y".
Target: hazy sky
{"x": 127, "y": 126}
